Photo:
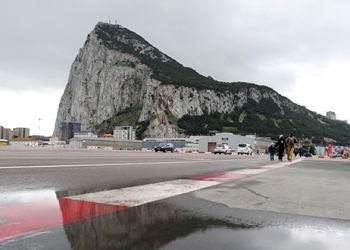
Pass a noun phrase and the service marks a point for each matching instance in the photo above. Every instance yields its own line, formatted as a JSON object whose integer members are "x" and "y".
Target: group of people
{"x": 281, "y": 145}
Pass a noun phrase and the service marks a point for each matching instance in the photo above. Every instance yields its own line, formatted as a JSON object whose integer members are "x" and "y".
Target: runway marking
{"x": 113, "y": 164}
{"x": 139, "y": 195}
{"x": 24, "y": 219}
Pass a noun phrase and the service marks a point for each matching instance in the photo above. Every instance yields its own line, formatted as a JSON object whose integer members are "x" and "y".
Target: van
{"x": 244, "y": 148}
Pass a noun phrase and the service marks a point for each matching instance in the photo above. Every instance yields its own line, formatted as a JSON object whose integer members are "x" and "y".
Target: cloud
{"x": 267, "y": 42}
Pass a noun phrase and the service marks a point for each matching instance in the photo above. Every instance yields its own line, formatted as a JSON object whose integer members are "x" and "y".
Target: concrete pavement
{"x": 312, "y": 187}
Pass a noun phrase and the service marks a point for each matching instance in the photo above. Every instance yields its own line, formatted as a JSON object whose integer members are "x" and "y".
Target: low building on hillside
{"x": 124, "y": 133}
{"x": 107, "y": 136}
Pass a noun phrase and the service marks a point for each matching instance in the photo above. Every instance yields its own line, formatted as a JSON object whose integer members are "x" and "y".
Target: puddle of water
{"x": 261, "y": 239}
{"x": 24, "y": 197}
{"x": 43, "y": 218}
{"x": 28, "y": 211}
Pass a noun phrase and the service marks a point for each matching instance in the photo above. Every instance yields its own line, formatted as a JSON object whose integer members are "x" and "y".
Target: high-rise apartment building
{"x": 68, "y": 129}
{"x": 2, "y": 132}
{"x": 7, "y": 134}
{"x": 21, "y": 132}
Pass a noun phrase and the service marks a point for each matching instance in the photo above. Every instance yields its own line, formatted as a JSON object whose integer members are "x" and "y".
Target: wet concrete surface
{"x": 222, "y": 238}
{"x": 175, "y": 223}
{"x": 302, "y": 206}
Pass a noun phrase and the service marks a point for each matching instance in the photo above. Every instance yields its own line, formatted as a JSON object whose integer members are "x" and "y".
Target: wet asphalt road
{"x": 305, "y": 205}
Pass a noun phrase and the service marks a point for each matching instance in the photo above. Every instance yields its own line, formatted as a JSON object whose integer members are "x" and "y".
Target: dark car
{"x": 164, "y": 147}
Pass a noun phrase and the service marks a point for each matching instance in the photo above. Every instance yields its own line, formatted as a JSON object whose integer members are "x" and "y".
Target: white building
{"x": 104, "y": 143}
{"x": 124, "y": 133}
{"x": 331, "y": 115}
{"x": 178, "y": 143}
{"x": 85, "y": 134}
{"x": 24, "y": 142}
{"x": 208, "y": 143}
{"x": 54, "y": 141}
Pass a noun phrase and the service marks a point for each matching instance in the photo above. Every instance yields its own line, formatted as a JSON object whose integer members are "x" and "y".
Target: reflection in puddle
{"x": 89, "y": 225}
{"x": 27, "y": 211}
{"x": 157, "y": 226}
{"x": 145, "y": 227}
{"x": 25, "y": 197}
{"x": 262, "y": 239}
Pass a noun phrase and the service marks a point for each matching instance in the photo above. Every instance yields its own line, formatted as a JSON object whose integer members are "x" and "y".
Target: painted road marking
{"x": 113, "y": 164}
{"x": 139, "y": 195}
{"x": 24, "y": 219}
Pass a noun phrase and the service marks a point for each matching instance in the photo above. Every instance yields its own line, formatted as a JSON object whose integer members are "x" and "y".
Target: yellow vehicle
{"x": 4, "y": 142}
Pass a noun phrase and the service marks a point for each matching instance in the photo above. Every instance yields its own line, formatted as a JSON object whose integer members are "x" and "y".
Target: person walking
{"x": 290, "y": 141}
{"x": 281, "y": 144}
{"x": 300, "y": 151}
{"x": 271, "y": 151}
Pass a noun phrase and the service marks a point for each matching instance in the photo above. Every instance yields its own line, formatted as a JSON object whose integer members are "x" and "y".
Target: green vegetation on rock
{"x": 263, "y": 117}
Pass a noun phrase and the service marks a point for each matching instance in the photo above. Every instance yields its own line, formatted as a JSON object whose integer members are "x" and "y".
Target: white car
{"x": 223, "y": 149}
{"x": 244, "y": 148}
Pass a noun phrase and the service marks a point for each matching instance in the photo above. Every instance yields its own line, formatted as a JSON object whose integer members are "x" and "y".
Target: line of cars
{"x": 243, "y": 148}
{"x": 220, "y": 148}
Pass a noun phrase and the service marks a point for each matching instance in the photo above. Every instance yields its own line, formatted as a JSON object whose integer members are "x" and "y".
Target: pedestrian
{"x": 300, "y": 150}
{"x": 290, "y": 141}
{"x": 281, "y": 144}
{"x": 296, "y": 151}
{"x": 272, "y": 152}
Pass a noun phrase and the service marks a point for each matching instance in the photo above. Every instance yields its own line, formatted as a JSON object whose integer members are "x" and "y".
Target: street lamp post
{"x": 39, "y": 126}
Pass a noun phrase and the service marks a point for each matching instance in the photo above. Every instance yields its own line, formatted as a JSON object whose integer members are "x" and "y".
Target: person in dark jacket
{"x": 300, "y": 151}
{"x": 281, "y": 144}
{"x": 271, "y": 151}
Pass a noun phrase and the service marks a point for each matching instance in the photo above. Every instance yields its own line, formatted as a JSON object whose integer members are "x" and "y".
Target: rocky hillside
{"x": 118, "y": 78}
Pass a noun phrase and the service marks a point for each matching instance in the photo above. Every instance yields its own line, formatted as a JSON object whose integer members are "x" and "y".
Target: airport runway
{"x": 93, "y": 199}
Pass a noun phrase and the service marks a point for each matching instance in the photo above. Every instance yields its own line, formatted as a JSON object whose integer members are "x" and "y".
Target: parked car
{"x": 164, "y": 147}
{"x": 223, "y": 149}
{"x": 336, "y": 154}
{"x": 244, "y": 148}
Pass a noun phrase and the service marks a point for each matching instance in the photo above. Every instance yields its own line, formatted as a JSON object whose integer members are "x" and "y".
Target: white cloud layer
{"x": 300, "y": 49}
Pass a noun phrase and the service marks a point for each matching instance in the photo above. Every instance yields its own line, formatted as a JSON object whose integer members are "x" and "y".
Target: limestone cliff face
{"x": 107, "y": 78}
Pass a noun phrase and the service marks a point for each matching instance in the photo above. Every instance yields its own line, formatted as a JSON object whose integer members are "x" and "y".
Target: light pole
{"x": 39, "y": 126}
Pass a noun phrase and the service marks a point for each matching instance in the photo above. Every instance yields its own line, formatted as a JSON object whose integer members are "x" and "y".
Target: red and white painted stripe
{"x": 33, "y": 217}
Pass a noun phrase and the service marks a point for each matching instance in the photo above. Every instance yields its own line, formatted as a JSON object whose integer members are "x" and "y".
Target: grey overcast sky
{"x": 298, "y": 48}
